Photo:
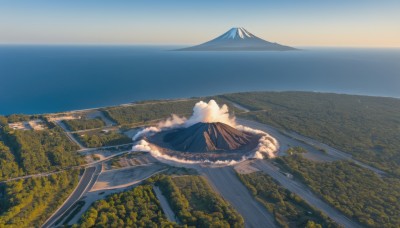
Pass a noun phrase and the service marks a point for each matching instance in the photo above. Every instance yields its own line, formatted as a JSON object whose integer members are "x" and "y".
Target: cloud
{"x": 210, "y": 113}
{"x": 171, "y": 122}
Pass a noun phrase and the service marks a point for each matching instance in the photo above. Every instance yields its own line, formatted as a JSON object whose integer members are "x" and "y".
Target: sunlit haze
{"x": 353, "y": 23}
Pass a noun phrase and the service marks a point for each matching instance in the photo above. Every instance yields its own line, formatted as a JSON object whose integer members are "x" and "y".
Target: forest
{"x": 17, "y": 118}
{"x": 8, "y": 165}
{"x": 41, "y": 151}
{"x": 29, "y": 202}
{"x": 98, "y": 139}
{"x": 366, "y": 127}
{"x": 84, "y": 123}
{"x": 196, "y": 204}
{"x": 288, "y": 209}
{"x": 142, "y": 113}
{"x": 28, "y": 152}
{"x": 372, "y": 200}
{"x": 138, "y": 207}
{"x": 145, "y": 112}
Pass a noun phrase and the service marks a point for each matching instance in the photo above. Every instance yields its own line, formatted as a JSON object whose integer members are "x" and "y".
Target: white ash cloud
{"x": 210, "y": 113}
{"x": 202, "y": 112}
{"x": 207, "y": 113}
{"x": 267, "y": 145}
{"x": 171, "y": 122}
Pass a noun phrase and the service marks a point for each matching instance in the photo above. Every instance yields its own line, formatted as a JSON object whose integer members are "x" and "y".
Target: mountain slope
{"x": 238, "y": 39}
{"x": 206, "y": 137}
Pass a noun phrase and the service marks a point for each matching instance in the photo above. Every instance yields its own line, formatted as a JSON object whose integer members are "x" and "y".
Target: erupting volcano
{"x": 209, "y": 135}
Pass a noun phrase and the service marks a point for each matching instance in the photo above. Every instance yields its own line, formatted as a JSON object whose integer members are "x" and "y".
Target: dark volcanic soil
{"x": 206, "y": 137}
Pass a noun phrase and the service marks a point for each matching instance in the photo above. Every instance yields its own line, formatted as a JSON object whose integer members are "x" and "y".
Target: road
{"x": 121, "y": 105}
{"x": 69, "y": 134}
{"x": 97, "y": 114}
{"x": 285, "y": 142}
{"x": 225, "y": 181}
{"x": 169, "y": 213}
{"x": 125, "y": 177}
{"x": 93, "y": 195}
{"x": 332, "y": 151}
{"x": 32, "y": 175}
{"x": 291, "y": 139}
{"x": 305, "y": 193}
{"x": 280, "y": 135}
{"x": 68, "y": 168}
{"x": 86, "y": 182}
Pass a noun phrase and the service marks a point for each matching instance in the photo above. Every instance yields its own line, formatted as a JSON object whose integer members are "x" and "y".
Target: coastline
{"x": 161, "y": 100}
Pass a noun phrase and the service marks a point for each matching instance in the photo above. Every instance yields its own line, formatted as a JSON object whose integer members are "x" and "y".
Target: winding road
{"x": 225, "y": 181}
{"x": 86, "y": 182}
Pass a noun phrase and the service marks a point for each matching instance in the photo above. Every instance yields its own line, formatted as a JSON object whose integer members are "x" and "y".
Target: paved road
{"x": 305, "y": 193}
{"x": 92, "y": 195}
{"x": 225, "y": 181}
{"x": 68, "y": 168}
{"x": 85, "y": 183}
{"x": 94, "y": 178}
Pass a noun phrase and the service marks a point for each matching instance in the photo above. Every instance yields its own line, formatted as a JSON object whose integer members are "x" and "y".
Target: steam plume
{"x": 210, "y": 113}
{"x": 207, "y": 113}
{"x": 202, "y": 112}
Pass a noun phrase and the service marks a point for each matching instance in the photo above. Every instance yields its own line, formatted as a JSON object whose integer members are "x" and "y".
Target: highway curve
{"x": 83, "y": 184}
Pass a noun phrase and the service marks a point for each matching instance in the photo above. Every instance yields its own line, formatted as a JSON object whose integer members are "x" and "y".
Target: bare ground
{"x": 305, "y": 193}
{"x": 169, "y": 213}
{"x": 121, "y": 178}
{"x": 225, "y": 181}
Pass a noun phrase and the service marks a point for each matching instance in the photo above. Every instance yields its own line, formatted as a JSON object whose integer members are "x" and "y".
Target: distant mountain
{"x": 207, "y": 137}
{"x": 238, "y": 39}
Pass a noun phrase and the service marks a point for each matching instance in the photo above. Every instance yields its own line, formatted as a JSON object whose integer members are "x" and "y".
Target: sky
{"x": 347, "y": 23}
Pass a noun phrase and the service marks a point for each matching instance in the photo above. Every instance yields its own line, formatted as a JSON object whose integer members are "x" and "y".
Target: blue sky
{"x": 374, "y": 23}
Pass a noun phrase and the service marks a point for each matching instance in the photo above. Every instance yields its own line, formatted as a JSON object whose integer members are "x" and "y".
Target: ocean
{"x": 44, "y": 79}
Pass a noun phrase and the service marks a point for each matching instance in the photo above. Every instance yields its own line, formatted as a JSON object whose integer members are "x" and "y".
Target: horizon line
{"x": 180, "y": 44}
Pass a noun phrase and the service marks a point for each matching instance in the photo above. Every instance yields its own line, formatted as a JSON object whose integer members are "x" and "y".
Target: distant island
{"x": 238, "y": 39}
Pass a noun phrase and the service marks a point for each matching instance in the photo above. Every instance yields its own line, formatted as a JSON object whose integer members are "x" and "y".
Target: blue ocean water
{"x": 42, "y": 79}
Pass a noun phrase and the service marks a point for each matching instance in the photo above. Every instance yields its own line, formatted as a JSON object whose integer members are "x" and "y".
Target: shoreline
{"x": 138, "y": 102}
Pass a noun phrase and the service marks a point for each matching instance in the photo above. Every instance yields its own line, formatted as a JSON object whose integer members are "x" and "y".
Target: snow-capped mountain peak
{"x": 238, "y": 39}
{"x": 237, "y": 33}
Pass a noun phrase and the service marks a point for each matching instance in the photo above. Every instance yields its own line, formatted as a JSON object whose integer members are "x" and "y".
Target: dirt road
{"x": 291, "y": 139}
{"x": 169, "y": 213}
{"x": 225, "y": 181}
{"x": 305, "y": 193}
